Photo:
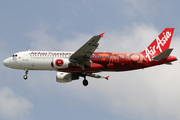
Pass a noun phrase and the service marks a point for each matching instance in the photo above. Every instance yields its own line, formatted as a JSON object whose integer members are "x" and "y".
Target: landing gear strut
{"x": 25, "y": 76}
{"x": 85, "y": 82}
{"x": 83, "y": 73}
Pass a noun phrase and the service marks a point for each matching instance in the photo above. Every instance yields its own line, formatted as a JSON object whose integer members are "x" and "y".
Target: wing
{"x": 83, "y": 54}
{"x": 96, "y": 76}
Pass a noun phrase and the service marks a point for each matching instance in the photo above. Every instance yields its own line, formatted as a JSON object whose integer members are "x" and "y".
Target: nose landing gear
{"x": 25, "y": 76}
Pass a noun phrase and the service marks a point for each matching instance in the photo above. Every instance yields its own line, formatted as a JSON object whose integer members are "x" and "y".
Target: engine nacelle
{"x": 60, "y": 63}
{"x": 65, "y": 77}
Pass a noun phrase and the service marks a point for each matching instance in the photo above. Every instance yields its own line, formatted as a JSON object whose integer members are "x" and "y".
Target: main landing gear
{"x": 85, "y": 82}
{"x": 25, "y": 76}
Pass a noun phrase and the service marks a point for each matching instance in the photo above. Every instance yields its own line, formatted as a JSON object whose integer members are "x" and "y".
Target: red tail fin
{"x": 160, "y": 44}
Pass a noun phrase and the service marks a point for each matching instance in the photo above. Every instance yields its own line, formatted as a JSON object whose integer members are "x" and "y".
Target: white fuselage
{"x": 34, "y": 60}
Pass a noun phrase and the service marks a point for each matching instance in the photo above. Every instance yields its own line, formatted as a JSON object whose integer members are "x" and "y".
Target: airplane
{"x": 85, "y": 61}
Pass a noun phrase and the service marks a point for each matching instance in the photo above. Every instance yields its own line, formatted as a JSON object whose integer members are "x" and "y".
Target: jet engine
{"x": 60, "y": 63}
{"x": 65, "y": 77}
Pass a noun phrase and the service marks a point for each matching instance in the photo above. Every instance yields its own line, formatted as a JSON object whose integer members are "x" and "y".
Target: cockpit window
{"x": 14, "y": 55}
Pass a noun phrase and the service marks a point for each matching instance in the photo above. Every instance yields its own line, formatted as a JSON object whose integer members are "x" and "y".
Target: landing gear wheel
{"x": 25, "y": 77}
{"x": 85, "y": 82}
{"x": 83, "y": 73}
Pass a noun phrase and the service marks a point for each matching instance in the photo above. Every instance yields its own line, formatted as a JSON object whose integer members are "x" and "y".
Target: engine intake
{"x": 65, "y": 77}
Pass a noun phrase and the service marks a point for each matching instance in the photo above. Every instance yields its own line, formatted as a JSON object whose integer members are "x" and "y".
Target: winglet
{"x": 101, "y": 34}
{"x": 107, "y": 77}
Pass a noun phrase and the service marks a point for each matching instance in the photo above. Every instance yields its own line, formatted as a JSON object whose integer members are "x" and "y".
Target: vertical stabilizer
{"x": 160, "y": 44}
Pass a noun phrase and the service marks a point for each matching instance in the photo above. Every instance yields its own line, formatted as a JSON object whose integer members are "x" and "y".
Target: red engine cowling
{"x": 60, "y": 63}
{"x": 65, "y": 77}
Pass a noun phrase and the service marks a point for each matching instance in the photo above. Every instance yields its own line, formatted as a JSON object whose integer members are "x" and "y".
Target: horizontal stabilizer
{"x": 165, "y": 54}
{"x": 169, "y": 63}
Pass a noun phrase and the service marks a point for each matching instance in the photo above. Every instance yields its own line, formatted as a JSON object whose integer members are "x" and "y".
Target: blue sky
{"x": 129, "y": 26}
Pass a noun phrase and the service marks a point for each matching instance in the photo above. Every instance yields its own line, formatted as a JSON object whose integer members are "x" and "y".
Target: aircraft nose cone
{"x": 9, "y": 63}
{"x": 5, "y": 62}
